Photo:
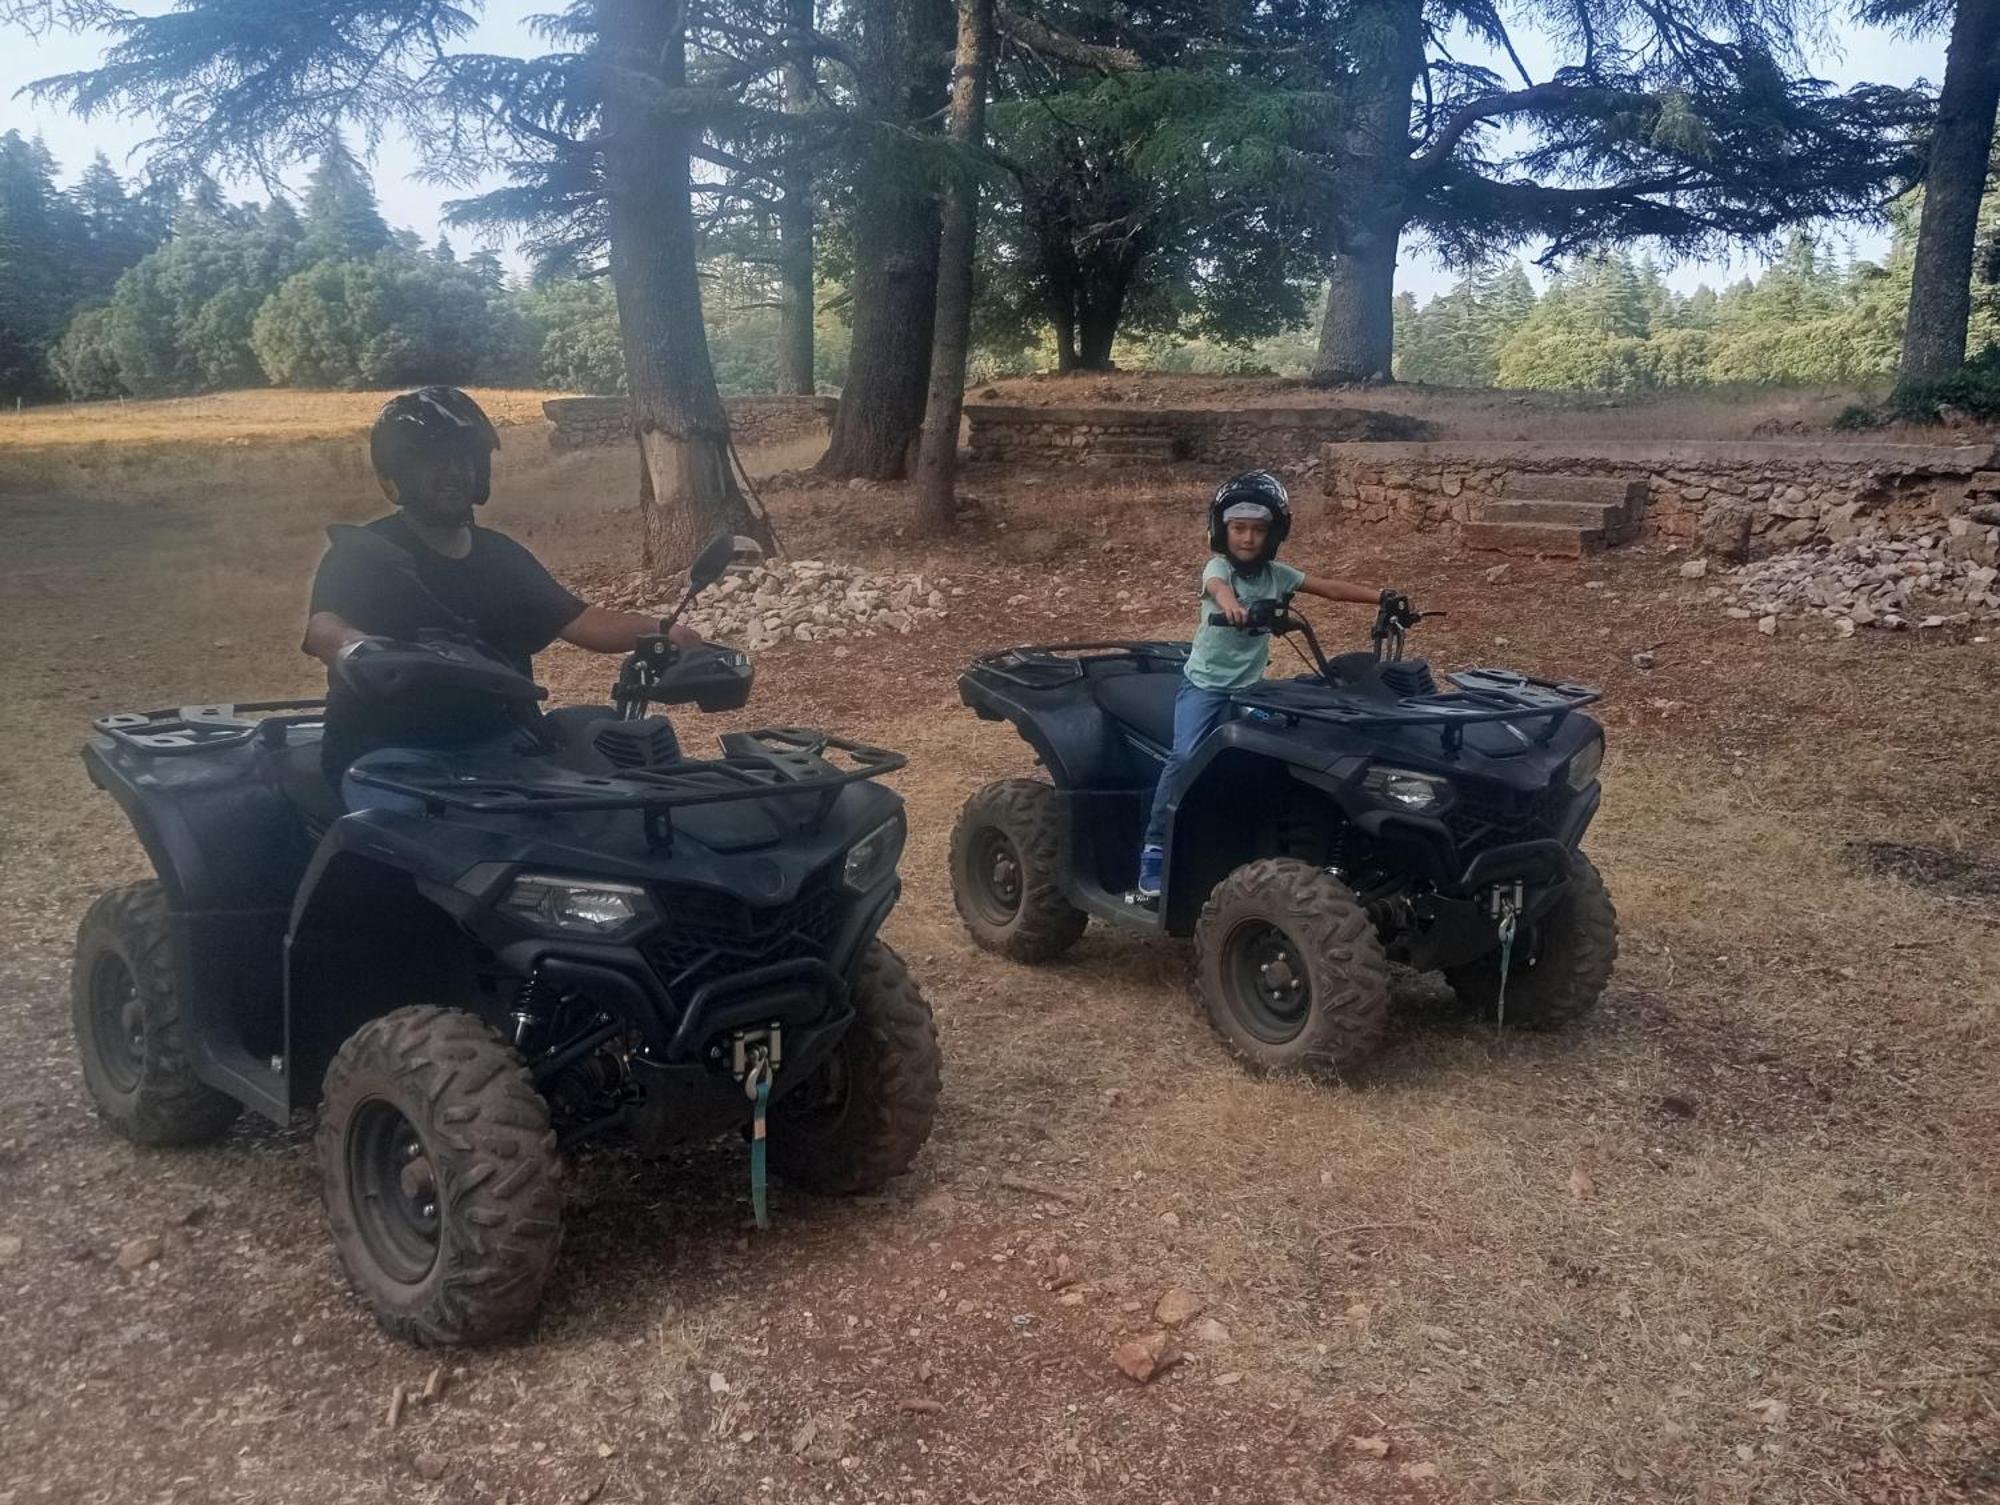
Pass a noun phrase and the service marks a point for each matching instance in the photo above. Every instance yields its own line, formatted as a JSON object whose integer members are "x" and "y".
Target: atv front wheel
{"x": 439, "y": 1171}
{"x": 1561, "y": 962}
{"x": 1006, "y": 871}
{"x": 125, "y": 1006}
{"x": 1292, "y": 972}
{"x": 861, "y": 1118}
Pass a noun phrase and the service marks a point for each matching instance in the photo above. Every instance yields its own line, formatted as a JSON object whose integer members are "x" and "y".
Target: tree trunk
{"x": 1101, "y": 304}
{"x": 1357, "y": 334}
{"x": 682, "y": 428}
{"x": 895, "y": 249}
{"x": 795, "y": 227}
{"x": 1940, "y": 284}
{"x": 937, "y": 459}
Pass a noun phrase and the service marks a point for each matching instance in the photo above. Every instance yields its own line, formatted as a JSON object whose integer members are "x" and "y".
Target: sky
{"x": 1850, "y": 54}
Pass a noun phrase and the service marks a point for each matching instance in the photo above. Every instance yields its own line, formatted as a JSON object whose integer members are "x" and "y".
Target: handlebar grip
{"x": 1217, "y": 619}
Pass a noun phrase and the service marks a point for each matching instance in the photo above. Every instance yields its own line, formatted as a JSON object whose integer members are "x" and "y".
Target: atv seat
{"x": 1142, "y": 702}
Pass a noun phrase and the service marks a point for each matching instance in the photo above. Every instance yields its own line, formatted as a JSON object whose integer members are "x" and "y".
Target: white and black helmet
{"x": 1255, "y": 494}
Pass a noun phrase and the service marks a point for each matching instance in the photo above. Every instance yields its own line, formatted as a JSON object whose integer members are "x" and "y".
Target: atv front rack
{"x": 1482, "y": 695}
{"x": 770, "y": 762}
{"x": 1044, "y": 666}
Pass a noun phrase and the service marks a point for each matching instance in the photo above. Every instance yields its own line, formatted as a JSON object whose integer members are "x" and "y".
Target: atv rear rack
{"x": 182, "y": 730}
{"x": 769, "y": 762}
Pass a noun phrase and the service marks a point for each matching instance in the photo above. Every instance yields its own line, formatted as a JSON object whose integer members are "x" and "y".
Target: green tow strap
{"x": 758, "y": 1085}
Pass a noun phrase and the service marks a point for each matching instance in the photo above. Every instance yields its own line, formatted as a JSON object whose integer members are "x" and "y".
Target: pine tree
{"x": 342, "y": 222}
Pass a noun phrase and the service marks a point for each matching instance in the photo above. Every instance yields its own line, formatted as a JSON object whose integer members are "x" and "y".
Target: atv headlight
{"x": 1406, "y": 787}
{"x": 874, "y": 857}
{"x": 1583, "y": 767}
{"x": 577, "y": 906}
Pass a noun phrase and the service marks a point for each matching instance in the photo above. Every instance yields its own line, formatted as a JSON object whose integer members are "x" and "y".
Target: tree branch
{"x": 1519, "y": 101}
{"x": 1036, "y": 37}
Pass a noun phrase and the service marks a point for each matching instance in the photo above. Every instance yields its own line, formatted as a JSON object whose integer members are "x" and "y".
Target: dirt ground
{"x": 1495, "y": 413}
{"x": 1733, "y": 1240}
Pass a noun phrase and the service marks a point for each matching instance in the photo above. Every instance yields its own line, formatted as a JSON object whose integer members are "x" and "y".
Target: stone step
{"x": 1556, "y": 540}
{"x": 1545, "y": 510}
{"x": 1607, "y": 491}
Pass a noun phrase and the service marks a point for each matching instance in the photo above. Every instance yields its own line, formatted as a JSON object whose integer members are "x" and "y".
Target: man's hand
{"x": 602, "y": 630}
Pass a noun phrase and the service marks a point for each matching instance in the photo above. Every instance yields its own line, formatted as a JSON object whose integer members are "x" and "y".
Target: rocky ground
{"x": 799, "y": 600}
{"x": 1942, "y": 577}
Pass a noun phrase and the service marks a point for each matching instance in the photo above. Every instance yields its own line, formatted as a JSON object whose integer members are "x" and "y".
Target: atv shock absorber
{"x": 532, "y": 1004}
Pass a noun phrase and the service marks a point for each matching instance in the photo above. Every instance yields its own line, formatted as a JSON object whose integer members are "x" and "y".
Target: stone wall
{"x": 1736, "y": 499}
{"x": 585, "y": 422}
{"x": 1265, "y": 436}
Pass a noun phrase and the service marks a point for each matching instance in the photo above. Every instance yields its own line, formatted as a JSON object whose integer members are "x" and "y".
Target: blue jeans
{"x": 1197, "y": 712}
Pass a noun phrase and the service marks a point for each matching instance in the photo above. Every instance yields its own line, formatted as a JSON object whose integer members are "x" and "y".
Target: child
{"x": 1247, "y": 521}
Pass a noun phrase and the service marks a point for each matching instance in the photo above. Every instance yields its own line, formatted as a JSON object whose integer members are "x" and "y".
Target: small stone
{"x": 1593, "y": 585}
{"x": 140, "y": 1252}
{"x": 1170, "y": 1219}
{"x": 717, "y": 1385}
{"x": 1210, "y": 1333}
{"x": 1644, "y": 660}
{"x": 1768, "y": 626}
{"x": 1843, "y": 627}
{"x": 1177, "y": 1306}
{"x": 430, "y": 1466}
{"x": 1498, "y": 573}
{"x": 1145, "y": 1359}
{"x": 1418, "y": 1472}
{"x": 10, "y": 1248}
{"x": 1369, "y": 1447}
{"x": 1694, "y": 569}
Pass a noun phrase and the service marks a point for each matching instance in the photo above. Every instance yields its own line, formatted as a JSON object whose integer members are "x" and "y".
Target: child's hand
{"x": 1231, "y": 607}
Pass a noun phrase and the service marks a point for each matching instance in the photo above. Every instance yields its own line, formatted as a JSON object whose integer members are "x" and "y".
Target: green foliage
{"x": 85, "y": 359}
{"x": 58, "y": 250}
{"x": 180, "y": 320}
{"x": 572, "y": 331}
{"x": 392, "y": 320}
{"x": 1612, "y": 324}
{"x": 1973, "y": 392}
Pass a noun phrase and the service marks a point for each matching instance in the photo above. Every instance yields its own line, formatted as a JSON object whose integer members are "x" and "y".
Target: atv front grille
{"x": 1479, "y": 819}
{"x": 705, "y": 935}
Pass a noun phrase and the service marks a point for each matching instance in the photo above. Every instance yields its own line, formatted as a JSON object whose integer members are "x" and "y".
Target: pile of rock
{"x": 1949, "y": 577}
{"x": 807, "y": 600}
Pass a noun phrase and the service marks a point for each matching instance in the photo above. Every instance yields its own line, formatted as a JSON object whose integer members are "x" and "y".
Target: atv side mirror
{"x": 711, "y": 562}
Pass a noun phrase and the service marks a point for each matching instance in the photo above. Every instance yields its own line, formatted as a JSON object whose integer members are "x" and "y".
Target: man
{"x": 432, "y": 450}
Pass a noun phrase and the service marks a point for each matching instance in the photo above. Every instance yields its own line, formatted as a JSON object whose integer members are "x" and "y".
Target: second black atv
{"x": 572, "y": 932}
{"x": 1351, "y": 817}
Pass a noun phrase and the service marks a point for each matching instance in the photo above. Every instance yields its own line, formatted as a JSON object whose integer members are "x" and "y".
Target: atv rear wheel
{"x": 1292, "y": 972}
{"x": 1562, "y": 960}
{"x": 125, "y": 1007}
{"x": 861, "y": 1118}
{"x": 439, "y": 1172}
{"x": 1006, "y": 871}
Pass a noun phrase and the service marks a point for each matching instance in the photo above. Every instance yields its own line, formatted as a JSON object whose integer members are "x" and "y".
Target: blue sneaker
{"x": 1151, "y": 860}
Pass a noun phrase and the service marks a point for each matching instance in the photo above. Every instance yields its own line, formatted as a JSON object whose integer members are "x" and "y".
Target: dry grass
{"x": 1775, "y": 1281}
{"x": 231, "y": 418}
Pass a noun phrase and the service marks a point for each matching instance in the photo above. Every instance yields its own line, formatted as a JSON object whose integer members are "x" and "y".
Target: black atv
{"x": 1350, "y": 817}
{"x": 568, "y": 932}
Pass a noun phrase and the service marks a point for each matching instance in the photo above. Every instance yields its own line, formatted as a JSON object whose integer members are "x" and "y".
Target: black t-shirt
{"x": 499, "y": 592}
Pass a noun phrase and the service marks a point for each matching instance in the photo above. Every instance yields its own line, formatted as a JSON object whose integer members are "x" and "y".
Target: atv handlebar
{"x": 1394, "y": 616}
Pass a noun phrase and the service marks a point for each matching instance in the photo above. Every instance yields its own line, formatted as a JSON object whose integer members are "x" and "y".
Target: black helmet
{"x": 1253, "y": 488}
{"x": 428, "y": 422}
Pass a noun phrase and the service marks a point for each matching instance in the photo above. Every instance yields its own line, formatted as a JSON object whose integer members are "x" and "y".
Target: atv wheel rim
{"x": 1267, "y": 984}
{"x": 118, "y": 1024}
{"x": 394, "y": 1185}
{"x": 996, "y": 878}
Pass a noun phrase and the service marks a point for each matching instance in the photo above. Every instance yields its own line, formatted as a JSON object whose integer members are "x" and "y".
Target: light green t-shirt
{"x": 1228, "y": 658}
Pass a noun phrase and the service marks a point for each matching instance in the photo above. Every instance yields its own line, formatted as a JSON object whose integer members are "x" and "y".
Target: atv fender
{"x": 228, "y": 850}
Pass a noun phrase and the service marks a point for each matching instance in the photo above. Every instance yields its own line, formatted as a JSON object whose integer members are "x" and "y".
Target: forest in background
{"x": 113, "y": 291}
